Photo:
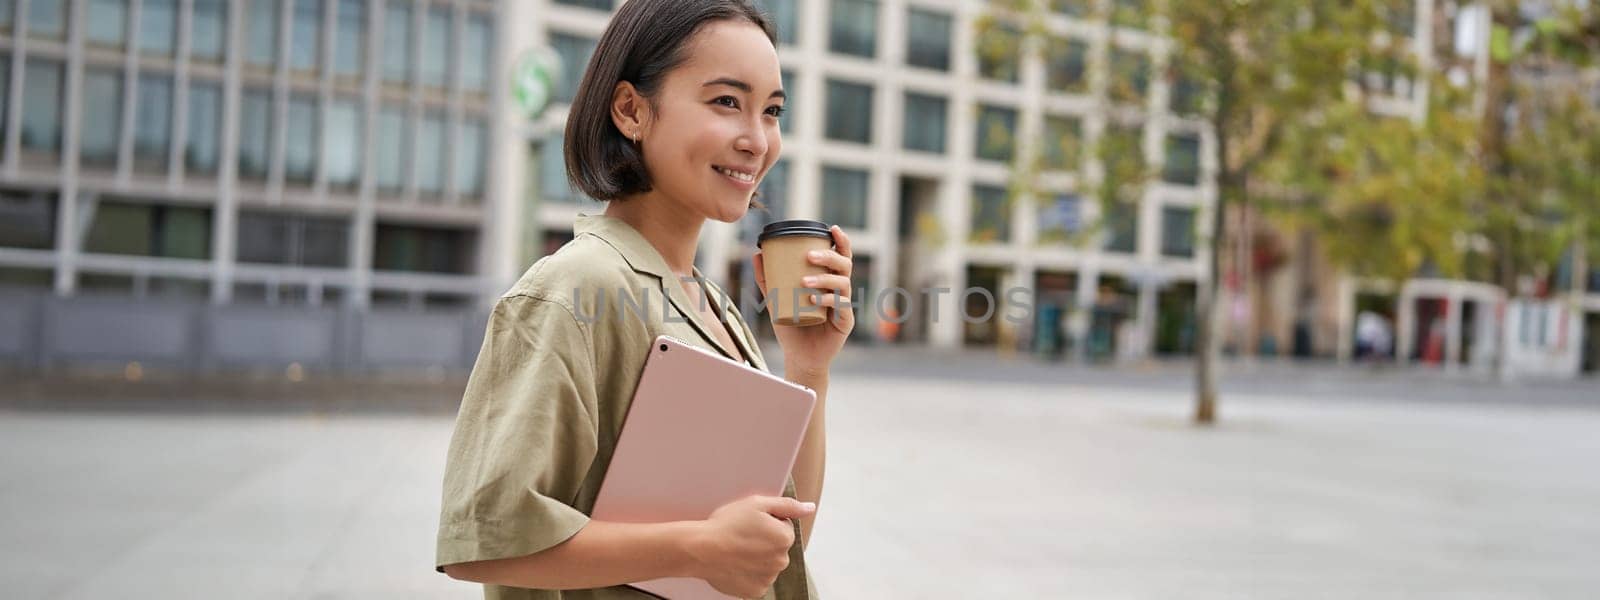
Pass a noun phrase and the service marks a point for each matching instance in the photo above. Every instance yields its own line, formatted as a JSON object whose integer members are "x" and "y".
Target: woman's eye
{"x": 776, "y": 111}
{"x": 728, "y": 101}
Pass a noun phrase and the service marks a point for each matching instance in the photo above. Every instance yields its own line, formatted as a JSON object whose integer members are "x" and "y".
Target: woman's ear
{"x": 629, "y": 111}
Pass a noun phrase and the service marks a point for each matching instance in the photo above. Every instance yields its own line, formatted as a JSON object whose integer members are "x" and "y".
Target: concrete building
{"x": 898, "y": 131}
{"x": 213, "y": 182}
{"x": 1294, "y": 302}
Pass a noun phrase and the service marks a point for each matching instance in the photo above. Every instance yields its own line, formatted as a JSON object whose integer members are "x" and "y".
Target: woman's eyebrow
{"x": 741, "y": 86}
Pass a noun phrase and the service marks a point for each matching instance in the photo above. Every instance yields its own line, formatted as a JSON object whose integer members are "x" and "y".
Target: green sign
{"x": 533, "y": 82}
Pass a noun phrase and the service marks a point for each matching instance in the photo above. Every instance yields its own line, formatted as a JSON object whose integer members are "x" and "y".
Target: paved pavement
{"x": 949, "y": 477}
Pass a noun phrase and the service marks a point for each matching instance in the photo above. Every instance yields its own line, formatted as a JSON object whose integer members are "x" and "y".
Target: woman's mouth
{"x": 745, "y": 179}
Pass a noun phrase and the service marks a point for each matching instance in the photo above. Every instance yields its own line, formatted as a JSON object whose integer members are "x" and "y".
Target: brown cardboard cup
{"x": 784, "y": 245}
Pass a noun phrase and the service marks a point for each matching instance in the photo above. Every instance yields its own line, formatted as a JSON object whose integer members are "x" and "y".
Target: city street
{"x": 949, "y": 476}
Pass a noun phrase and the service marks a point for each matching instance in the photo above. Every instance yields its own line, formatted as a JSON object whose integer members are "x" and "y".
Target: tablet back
{"x": 702, "y": 431}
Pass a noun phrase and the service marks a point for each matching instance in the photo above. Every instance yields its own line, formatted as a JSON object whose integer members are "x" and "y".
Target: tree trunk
{"x": 1206, "y": 339}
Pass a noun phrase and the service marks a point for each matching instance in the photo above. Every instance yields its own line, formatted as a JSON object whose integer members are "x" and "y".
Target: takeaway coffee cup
{"x": 784, "y": 245}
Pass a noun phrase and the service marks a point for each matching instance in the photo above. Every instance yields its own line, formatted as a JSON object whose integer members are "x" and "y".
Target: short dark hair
{"x": 643, "y": 42}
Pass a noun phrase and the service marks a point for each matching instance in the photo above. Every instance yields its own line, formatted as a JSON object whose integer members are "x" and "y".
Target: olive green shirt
{"x": 546, "y": 400}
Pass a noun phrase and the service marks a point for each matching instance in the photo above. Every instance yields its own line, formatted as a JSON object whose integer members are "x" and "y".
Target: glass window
{"x": 478, "y": 53}
{"x": 284, "y": 239}
{"x": 1183, "y": 159}
{"x": 158, "y": 27}
{"x": 7, "y": 8}
{"x": 849, "y": 112}
{"x": 574, "y": 52}
{"x": 773, "y": 194}
{"x": 1072, "y": 8}
{"x": 844, "y": 197}
{"x": 208, "y": 28}
{"x": 785, "y": 18}
{"x": 1130, "y": 76}
{"x": 41, "y": 106}
{"x": 300, "y": 140}
{"x": 604, "y": 5}
{"x": 1186, "y": 96}
{"x": 1000, "y": 53}
{"x": 107, "y": 22}
{"x": 928, "y": 39}
{"x": 924, "y": 123}
{"x": 852, "y": 27}
{"x": 428, "y": 249}
{"x": 307, "y": 35}
{"x": 152, "y": 120}
{"x": 1129, "y": 13}
{"x": 323, "y": 242}
{"x": 996, "y": 134}
{"x": 350, "y": 48}
{"x": 5, "y": 90}
{"x": 341, "y": 144}
{"x": 552, "y": 172}
{"x": 1060, "y": 218}
{"x": 429, "y": 165}
{"x": 786, "y": 122}
{"x": 436, "y": 47}
{"x": 469, "y": 154}
{"x": 102, "y": 112}
{"x": 1122, "y": 153}
{"x": 205, "y": 128}
{"x": 255, "y": 133}
{"x": 389, "y": 148}
{"x": 1177, "y": 231}
{"x": 1122, "y": 227}
{"x": 30, "y": 220}
{"x": 1063, "y": 138}
{"x": 261, "y": 41}
{"x": 47, "y": 18}
{"x": 1066, "y": 65}
{"x": 398, "y": 32}
{"x": 991, "y": 215}
{"x": 1401, "y": 16}
{"x": 150, "y": 230}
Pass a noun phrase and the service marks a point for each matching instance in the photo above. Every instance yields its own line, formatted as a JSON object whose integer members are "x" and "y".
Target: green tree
{"x": 1541, "y": 134}
{"x": 1263, "y": 68}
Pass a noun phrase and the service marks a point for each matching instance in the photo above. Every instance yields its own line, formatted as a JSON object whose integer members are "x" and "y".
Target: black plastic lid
{"x": 790, "y": 227}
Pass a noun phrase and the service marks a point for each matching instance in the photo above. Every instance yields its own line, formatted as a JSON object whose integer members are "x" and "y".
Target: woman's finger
{"x": 840, "y": 311}
{"x": 832, "y": 260}
{"x": 832, "y": 300}
{"x": 841, "y": 242}
{"x": 836, "y": 283}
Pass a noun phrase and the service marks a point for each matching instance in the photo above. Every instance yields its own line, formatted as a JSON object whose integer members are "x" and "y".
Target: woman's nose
{"x": 753, "y": 139}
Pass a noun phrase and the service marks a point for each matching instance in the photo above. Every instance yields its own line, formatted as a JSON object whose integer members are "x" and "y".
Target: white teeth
{"x": 745, "y": 177}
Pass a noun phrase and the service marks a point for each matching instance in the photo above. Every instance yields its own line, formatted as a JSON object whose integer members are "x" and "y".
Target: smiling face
{"x": 713, "y": 131}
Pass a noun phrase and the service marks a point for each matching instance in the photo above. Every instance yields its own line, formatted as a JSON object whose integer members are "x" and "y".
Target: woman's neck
{"x": 674, "y": 232}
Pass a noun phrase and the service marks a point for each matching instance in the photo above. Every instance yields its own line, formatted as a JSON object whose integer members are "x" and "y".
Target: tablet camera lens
{"x": 663, "y": 347}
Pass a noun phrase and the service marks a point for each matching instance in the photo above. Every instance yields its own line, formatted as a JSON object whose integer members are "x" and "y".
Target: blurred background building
{"x": 213, "y": 183}
{"x": 905, "y": 135}
{"x": 1282, "y": 297}
{"x": 220, "y": 182}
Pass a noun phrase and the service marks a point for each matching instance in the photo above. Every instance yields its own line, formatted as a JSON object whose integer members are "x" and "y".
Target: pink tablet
{"x": 702, "y": 431}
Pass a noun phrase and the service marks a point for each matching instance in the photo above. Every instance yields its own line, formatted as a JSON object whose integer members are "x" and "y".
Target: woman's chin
{"x": 732, "y": 213}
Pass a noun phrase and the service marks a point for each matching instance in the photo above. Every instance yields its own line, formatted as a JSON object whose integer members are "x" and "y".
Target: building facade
{"x": 294, "y": 154}
{"x": 294, "y": 151}
{"x": 903, "y": 133}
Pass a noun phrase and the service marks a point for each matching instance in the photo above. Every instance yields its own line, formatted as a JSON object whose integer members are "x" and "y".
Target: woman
{"x": 675, "y": 122}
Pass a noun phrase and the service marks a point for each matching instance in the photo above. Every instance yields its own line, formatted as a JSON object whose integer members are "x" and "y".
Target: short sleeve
{"x": 524, "y": 438}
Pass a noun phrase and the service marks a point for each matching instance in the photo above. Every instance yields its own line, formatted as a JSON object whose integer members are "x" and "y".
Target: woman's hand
{"x": 811, "y": 349}
{"x": 743, "y": 546}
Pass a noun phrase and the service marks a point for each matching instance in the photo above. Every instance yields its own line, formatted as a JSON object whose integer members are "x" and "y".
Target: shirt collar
{"x": 634, "y": 249}
{"x": 644, "y": 258}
